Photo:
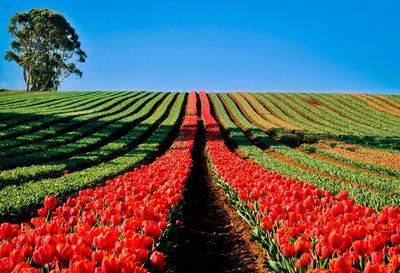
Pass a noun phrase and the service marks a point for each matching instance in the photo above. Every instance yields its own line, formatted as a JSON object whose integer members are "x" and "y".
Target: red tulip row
{"x": 111, "y": 229}
{"x": 305, "y": 228}
{"x": 191, "y": 107}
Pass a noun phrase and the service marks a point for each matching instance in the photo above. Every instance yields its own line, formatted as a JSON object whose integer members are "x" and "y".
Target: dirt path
{"x": 213, "y": 237}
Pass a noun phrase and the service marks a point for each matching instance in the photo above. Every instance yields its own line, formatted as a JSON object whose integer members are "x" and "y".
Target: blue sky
{"x": 226, "y": 45}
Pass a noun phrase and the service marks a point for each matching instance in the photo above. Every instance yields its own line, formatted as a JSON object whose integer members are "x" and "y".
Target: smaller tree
{"x": 44, "y": 44}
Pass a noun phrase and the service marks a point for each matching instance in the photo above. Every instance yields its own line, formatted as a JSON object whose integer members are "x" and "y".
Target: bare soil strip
{"x": 386, "y": 100}
{"x": 277, "y": 116}
{"x": 213, "y": 237}
{"x": 330, "y": 108}
{"x": 365, "y": 100}
{"x": 341, "y": 163}
{"x": 327, "y": 123}
{"x": 355, "y": 109}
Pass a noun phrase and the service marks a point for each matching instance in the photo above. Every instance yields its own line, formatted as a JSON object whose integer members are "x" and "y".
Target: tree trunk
{"x": 27, "y": 79}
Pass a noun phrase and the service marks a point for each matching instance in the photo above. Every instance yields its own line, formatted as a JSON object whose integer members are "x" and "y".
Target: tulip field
{"x": 99, "y": 182}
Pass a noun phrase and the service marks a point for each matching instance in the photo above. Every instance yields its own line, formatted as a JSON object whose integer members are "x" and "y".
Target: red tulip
{"x": 360, "y": 247}
{"x": 98, "y": 256}
{"x": 17, "y": 256}
{"x": 50, "y": 202}
{"x": 64, "y": 253}
{"x": 43, "y": 254}
{"x": 42, "y": 212}
{"x": 395, "y": 239}
{"x": 153, "y": 230}
{"x": 335, "y": 239}
{"x": 377, "y": 257}
{"x": 140, "y": 269}
{"x": 8, "y": 231}
{"x": 288, "y": 250}
{"x": 341, "y": 265}
{"x": 157, "y": 260}
{"x": 141, "y": 255}
{"x": 5, "y": 249}
{"x": 28, "y": 251}
{"x": 128, "y": 264}
{"x": 304, "y": 260}
{"x": 326, "y": 251}
{"x": 116, "y": 220}
{"x": 374, "y": 268}
{"x": 111, "y": 265}
{"x": 267, "y": 223}
{"x": 52, "y": 227}
{"x": 83, "y": 266}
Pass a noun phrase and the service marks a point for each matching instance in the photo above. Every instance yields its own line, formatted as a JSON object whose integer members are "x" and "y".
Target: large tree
{"x": 46, "y": 47}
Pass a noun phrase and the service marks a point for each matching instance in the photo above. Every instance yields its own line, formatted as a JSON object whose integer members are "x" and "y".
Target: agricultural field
{"x": 199, "y": 182}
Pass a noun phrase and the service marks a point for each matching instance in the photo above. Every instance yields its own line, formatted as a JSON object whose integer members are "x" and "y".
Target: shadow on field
{"x": 295, "y": 138}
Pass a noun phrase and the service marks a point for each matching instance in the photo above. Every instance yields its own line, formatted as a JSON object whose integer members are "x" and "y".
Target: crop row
{"x": 304, "y": 228}
{"x": 11, "y": 147}
{"x": 120, "y": 122}
{"x": 258, "y": 116}
{"x": 352, "y": 106}
{"x": 384, "y": 166}
{"x": 76, "y": 128}
{"x": 343, "y": 107}
{"x": 111, "y": 150}
{"x": 323, "y": 121}
{"x": 286, "y": 113}
{"x": 17, "y": 198}
{"x": 337, "y": 119}
{"x": 385, "y": 184}
{"x": 373, "y": 102}
{"x": 326, "y": 116}
{"x": 307, "y": 114}
{"x": 21, "y": 115}
{"x": 39, "y": 120}
{"x": 269, "y": 119}
{"x": 363, "y": 104}
{"x": 260, "y": 122}
{"x": 392, "y": 100}
{"x": 35, "y": 100}
{"x": 114, "y": 228}
{"x": 360, "y": 194}
{"x": 87, "y": 104}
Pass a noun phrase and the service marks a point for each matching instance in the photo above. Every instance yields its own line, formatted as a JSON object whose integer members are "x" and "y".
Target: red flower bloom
{"x": 50, "y": 202}
{"x": 288, "y": 250}
{"x": 153, "y": 230}
{"x": 8, "y": 231}
{"x": 83, "y": 266}
{"x": 157, "y": 260}
{"x": 111, "y": 265}
{"x": 341, "y": 265}
{"x": 44, "y": 254}
{"x": 64, "y": 253}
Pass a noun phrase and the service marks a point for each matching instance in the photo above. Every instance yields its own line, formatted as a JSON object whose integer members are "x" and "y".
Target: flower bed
{"x": 301, "y": 227}
{"x": 114, "y": 228}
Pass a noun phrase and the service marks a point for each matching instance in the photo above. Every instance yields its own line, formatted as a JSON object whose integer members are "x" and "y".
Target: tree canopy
{"x": 46, "y": 46}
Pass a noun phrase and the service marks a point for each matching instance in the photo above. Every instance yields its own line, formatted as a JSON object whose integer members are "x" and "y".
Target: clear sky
{"x": 226, "y": 45}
